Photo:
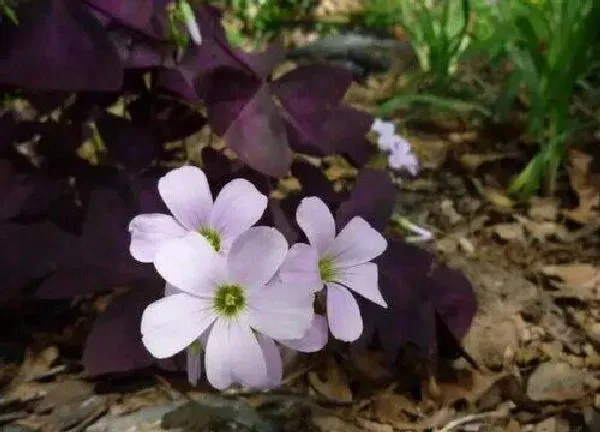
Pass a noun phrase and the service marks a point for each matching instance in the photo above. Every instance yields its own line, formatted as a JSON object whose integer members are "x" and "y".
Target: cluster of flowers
{"x": 235, "y": 291}
{"x": 399, "y": 150}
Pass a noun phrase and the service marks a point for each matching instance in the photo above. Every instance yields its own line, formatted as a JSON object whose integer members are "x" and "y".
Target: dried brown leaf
{"x": 509, "y": 232}
{"x": 334, "y": 386}
{"x": 577, "y": 280}
{"x": 584, "y": 184}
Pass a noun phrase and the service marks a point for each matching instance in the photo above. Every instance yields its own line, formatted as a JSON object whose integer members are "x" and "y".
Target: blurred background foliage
{"x": 488, "y": 61}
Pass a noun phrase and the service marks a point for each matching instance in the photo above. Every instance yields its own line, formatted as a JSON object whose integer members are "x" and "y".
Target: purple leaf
{"x": 15, "y": 190}
{"x": 215, "y": 52}
{"x": 138, "y": 51}
{"x": 311, "y": 96}
{"x": 133, "y": 146}
{"x": 167, "y": 119}
{"x": 230, "y": 90}
{"x": 58, "y": 45}
{"x": 305, "y": 94}
{"x": 31, "y": 252}
{"x": 315, "y": 183}
{"x": 105, "y": 237}
{"x": 134, "y": 12}
{"x": 217, "y": 167}
{"x": 373, "y": 198}
{"x": 258, "y": 136}
{"x": 278, "y": 218}
{"x": 114, "y": 343}
{"x": 416, "y": 299}
{"x": 103, "y": 258}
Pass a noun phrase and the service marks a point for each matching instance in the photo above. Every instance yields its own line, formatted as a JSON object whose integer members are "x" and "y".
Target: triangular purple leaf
{"x": 133, "y": 146}
{"x": 114, "y": 343}
{"x": 416, "y": 300}
{"x": 258, "y": 136}
{"x": 136, "y": 13}
{"x": 311, "y": 96}
{"x": 30, "y": 252}
{"x": 373, "y": 198}
{"x": 58, "y": 45}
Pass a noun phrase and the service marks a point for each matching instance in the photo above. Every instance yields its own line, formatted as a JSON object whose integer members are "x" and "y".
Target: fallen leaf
{"x": 392, "y": 408}
{"x": 369, "y": 366}
{"x": 35, "y": 364}
{"x": 543, "y": 230}
{"x": 583, "y": 182}
{"x": 449, "y": 212}
{"x": 577, "y": 280}
{"x": 470, "y": 387}
{"x": 334, "y": 386}
{"x": 371, "y": 426}
{"x": 509, "y": 232}
{"x": 494, "y": 335}
{"x": 497, "y": 198}
{"x": 543, "y": 208}
{"x": 333, "y": 424}
{"x": 553, "y": 424}
{"x": 472, "y": 161}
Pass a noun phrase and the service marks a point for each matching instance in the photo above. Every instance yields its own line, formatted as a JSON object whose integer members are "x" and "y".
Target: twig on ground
{"x": 502, "y": 412}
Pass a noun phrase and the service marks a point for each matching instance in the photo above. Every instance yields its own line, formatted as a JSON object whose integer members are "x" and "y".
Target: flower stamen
{"x": 229, "y": 300}
{"x": 327, "y": 269}
{"x": 212, "y": 236}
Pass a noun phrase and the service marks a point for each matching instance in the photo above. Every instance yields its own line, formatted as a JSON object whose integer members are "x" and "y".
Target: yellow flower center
{"x": 212, "y": 236}
{"x": 229, "y": 300}
{"x": 326, "y": 269}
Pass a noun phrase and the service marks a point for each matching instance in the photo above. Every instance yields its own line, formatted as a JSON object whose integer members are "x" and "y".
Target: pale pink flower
{"x": 383, "y": 128}
{"x": 342, "y": 263}
{"x": 401, "y": 156}
{"x": 185, "y": 191}
{"x": 228, "y": 302}
{"x": 313, "y": 340}
{"x": 191, "y": 23}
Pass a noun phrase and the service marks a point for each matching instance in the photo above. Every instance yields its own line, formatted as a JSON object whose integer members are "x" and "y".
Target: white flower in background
{"x": 422, "y": 234}
{"x": 399, "y": 151}
{"x": 342, "y": 263}
{"x": 231, "y": 305}
{"x": 185, "y": 191}
{"x": 383, "y": 128}
{"x": 401, "y": 156}
{"x": 190, "y": 21}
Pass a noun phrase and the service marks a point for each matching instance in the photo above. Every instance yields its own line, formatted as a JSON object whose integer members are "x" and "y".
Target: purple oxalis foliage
{"x": 64, "y": 218}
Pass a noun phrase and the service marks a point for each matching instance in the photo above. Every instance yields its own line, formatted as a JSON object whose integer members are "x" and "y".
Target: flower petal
{"x": 186, "y": 193}
{"x": 149, "y": 232}
{"x": 273, "y": 361}
{"x": 316, "y": 220}
{"x": 383, "y": 127}
{"x": 357, "y": 243}
{"x": 189, "y": 263}
{"x": 249, "y": 367}
{"x": 256, "y": 255}
{"x": 281, "y": 311}
{"x": 362, "y": 279}
{"x": 218, "y": 356}
{"x": 172, "y": 323}
{"x": 238, "y": 206}
{"x": 313, "y": 340}
{"x": 301, "y": 267}
{"x": 345, "y": 321}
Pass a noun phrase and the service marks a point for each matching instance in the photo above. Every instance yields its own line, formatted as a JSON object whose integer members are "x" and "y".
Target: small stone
{"x": 593, "y": 332}
{"x": 556, "y": 382}
{"x": 490, "y": 337}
